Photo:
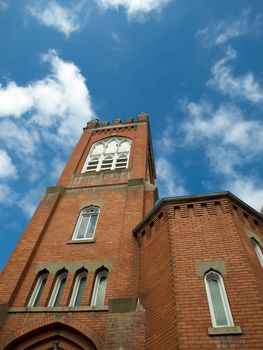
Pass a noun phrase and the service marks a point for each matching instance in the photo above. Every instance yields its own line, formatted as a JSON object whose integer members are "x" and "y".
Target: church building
{"x": 103, "y": 265}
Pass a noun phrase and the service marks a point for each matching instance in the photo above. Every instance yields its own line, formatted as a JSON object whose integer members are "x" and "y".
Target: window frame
{"x": 75, "y": 290}
{"x": 215, "y": 275}
{"x": 57, "y": 287}
{"x": 258, "y": 250}
{"x": 43, "y": 276}
{"x": 88, "y": 211}
{"x": 105, "y": 155}
{"x": 99, "y": 275}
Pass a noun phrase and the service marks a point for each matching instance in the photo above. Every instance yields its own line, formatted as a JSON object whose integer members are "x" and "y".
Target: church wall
{"x": 200, "y": 236}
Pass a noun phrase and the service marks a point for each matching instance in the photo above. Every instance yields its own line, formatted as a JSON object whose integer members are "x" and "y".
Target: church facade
{"x": 102, "y": 266}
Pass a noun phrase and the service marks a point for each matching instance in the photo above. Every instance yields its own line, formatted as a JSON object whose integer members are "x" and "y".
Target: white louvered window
{"x": 108, "y": 154}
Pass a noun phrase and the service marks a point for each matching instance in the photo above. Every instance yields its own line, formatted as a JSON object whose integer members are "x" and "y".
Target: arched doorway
{"x": 55, "y": 336}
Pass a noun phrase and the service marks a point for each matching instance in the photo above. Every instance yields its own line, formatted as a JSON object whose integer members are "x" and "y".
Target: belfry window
{"x": 39, "y": 287}
{"x": 86, "y": 224}
{"x": 108, "y": 154}
{"x": 79, "y": 288}
{"x": 99, "y": 290}
{"x": 217, "y": 300}
{"x": 258, "y": 250}
{"x": 58, "y": 289}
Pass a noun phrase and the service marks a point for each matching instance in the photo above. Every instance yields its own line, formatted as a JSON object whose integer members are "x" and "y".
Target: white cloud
{"x": 225, "y": 30}
{"x": 243, "y": 87}
{"x": 7, "y": 195}
{"x": 59, "y": 100}
{"x": 7, "y": 168}
{"x": 52, "y": 14}
{"x": 134, "y": 8}
{"x": 226, "y": 123}
{"x": 250, "y": 190}
{"x": 39, "y": 123}
{"x": 3, "y": 5}
{"x": 166, "y": 143}
{"x": 29, "y": 201}
{"x": 170, "y": 184}
{"x": 228, "y": 140}
{"x": 18, "y": 138}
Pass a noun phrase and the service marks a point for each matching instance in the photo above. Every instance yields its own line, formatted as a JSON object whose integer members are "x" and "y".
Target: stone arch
{"x": 70, "y": 334}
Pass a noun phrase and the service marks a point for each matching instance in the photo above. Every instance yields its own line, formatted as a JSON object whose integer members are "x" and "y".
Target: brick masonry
{"x": 156, "y": 257}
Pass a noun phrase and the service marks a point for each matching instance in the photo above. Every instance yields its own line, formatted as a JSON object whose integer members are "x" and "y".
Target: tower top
{"x": 95, "y": 123}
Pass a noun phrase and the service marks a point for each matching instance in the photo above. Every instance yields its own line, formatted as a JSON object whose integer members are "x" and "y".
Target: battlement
{"x": 95, "y": 123}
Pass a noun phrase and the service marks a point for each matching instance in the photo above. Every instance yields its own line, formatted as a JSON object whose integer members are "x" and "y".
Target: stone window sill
{"x": 59, "y": 309}
{"x": 81, "y": 241}
{"x": 224, "y": 330}
{"x": 105, "y": 171}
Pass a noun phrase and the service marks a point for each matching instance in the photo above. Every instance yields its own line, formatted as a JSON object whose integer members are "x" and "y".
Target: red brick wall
{"x": 46, "y": 240}
{"x": 197, "y": 232}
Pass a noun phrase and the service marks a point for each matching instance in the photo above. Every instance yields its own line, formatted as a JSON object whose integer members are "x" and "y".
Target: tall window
{"x": 108, "y": 154}
{"x": 86, "y": 223}
{"x": 79, "y": 288}
{"x": 258, "y": 250}
{"x": 39, "y": 287}
{"x": 58, "y": 289}
{"x": 217, "y": 300}
{"x": 99, "y": 290}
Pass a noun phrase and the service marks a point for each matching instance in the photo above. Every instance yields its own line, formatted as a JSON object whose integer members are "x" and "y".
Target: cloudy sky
{"x": 194, "y": 66}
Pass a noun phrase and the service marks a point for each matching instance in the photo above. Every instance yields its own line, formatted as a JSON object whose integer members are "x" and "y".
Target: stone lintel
{"x": 202, "y": 266}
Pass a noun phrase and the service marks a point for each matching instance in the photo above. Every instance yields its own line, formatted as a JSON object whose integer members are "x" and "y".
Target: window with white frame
{"x": 79, "y": 288}
{"x": 108, "y": 154}
{"x": 258, "y": 250}
{"x": 39, "y": 287}
{"x": 58, "y": 289}
{"x": 217, "y": 300}
{"x": 99, "y": 290}
{"x": 86, "y": 224}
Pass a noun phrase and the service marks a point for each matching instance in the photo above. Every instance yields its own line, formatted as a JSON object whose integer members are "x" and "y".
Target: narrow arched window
{"x": 258, "y": 250}
{"x": 86, "y": 224}
{"x": 99, "y": 290}
{"x": 58, "y": 289}
{"x": 79, "y": 288}
{"x": 217, "y": 300}
{"x": 108, "y": 154}
{"x": 39, "y": 287}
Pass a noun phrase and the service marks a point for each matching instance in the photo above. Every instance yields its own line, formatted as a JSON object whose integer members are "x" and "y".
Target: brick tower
{"x": 100, "y": 266}
{"x": 72, "y": 281}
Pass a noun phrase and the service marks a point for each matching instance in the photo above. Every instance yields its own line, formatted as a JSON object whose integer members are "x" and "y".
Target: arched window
{"x": 86, "y": 224}
{"x": 99, "y": 290}
{"x": 58, "y": 288}
{"x": 258, "y": 250}
{"x": 108, "y": 154}
{"x": 79, "y": 288}
{"x": 39, "y": 287}
{"x": 217, "y": 300}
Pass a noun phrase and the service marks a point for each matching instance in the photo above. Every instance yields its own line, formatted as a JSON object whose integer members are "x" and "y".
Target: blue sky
{"x": 194, "y": 66}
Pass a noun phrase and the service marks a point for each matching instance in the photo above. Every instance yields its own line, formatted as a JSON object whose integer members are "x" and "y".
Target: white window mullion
{"x": 114, "y": 161}
{"x": 100, "y": 162}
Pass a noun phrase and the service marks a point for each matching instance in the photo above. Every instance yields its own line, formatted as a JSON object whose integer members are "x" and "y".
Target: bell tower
{"x": 72, "y": 281}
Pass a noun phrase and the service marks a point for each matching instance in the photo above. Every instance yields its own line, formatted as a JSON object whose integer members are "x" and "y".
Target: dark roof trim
{"x": 195, "y": 198}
